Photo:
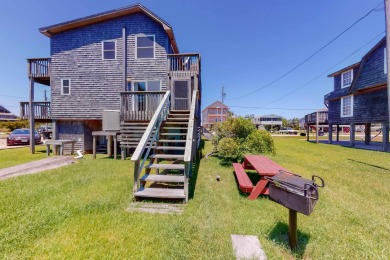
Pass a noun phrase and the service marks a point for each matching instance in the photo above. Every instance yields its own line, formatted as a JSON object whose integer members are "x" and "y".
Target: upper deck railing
{"x": 38, "y": 67}
{"x": 42, "y": 110}
{"x": 183, "y": 64}
{"x": 312, "y": 118}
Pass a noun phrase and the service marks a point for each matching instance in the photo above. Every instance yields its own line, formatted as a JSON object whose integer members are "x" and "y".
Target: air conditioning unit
{"x": 111, "y": 120}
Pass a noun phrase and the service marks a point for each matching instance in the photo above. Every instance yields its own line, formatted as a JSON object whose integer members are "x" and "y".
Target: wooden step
{"x": 163, "y": 178}
{"x": 177, "y": 119}
{"x": 174, "y": 134}
{"x": 180, "y": 111}
{"x": 175, "y": 123}
{"x": 161, "y": 193}
{"x": 168, "y": 156}
{"x": 174, "y": 128}
{"x": 186, "y": 116}
{"x": 171, "y": 141}
{"x": 165, "y": 166}
{"x": 170, "y": 148}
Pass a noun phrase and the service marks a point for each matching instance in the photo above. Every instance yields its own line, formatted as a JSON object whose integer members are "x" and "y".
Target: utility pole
{"x": 385, "y": 128}
{"x": 222, "y": 97}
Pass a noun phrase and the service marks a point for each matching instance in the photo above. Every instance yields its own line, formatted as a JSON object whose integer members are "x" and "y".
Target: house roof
{"x": 216, "y": 104}
{"x": 51, "y": 30}
{"x": 344, "y": 69}
{"x": 4, "y": 110}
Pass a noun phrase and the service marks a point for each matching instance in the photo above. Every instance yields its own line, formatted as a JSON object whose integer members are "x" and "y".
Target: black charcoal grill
{"x": 294, "y": 192}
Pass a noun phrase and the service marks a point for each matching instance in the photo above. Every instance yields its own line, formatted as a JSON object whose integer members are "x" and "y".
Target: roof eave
{"x": 49, "y": 31}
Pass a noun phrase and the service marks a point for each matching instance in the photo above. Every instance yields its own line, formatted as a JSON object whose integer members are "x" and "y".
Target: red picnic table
{"x": 264, "y": 166}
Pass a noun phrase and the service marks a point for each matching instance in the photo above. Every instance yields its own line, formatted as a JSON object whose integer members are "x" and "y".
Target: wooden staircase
{"x": 131, "y": 134}
{"x": 164, "y": 176}
{"x": 163, "y": 159}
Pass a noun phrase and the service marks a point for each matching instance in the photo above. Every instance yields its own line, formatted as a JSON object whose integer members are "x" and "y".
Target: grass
{"x": 78, "y": 211}
{"x": 12, "y": 157}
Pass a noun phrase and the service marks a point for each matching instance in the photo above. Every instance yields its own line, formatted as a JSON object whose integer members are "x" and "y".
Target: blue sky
{"x": 245, "y": 45}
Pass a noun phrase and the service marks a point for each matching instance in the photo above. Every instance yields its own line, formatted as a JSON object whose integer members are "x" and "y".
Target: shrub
{"x": 303, "y": 134}
{"x": 238, "y": 136}
{"x": 11, "y": 126}
{"x": 228, "y": 149}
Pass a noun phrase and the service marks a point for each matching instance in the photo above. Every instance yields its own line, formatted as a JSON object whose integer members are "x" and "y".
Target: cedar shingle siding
{"x": 96, "y": 83}
{"x": 368, "y": 107}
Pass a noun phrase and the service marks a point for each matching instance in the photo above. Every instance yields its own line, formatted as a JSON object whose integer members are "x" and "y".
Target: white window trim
{"x": 342, "y": 80}
{"x": 341, "y": 108}
{"x": 62, "y": 87}
{"x": 136, "y": 46}
{"x": 385, "y": 60}
{"x": 103, "y": 49}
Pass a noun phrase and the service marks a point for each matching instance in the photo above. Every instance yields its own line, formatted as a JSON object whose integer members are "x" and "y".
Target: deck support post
{"x": 367, "y": 133}
{"x": 32, "y": 119}
{"x": 385, "y": 136}
{"x": 352, "y": 134}
{"x": 330, "y": 134}
{"x": 292, "y": 229}
{"x": 317, "y": 131}
{"x": 307, "y": 132}
{"x": 337, "y": 133}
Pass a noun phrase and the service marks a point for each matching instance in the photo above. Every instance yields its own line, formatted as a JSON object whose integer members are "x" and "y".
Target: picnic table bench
{"x": 264, "y": 166}
{"x": 58, "y": 144}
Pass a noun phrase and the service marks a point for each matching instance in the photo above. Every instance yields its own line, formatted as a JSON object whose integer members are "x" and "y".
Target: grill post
{"x": 292, "y": 229}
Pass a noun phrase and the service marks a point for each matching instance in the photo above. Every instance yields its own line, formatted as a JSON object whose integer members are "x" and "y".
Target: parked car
{"x": 22, "y": 136}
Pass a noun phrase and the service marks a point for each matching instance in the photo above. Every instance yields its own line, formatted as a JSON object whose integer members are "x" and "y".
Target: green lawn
{"x": 78, "y": 211}
{"x": 15, "y": 156}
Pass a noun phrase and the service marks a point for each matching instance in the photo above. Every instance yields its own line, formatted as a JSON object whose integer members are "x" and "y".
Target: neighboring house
{"x": 267, "y": 121}
{"x": 125, "y": 60}
{"x": 359, "y": 96}
{"x": 6, "y": 115}
{"x": 215, "y": 113}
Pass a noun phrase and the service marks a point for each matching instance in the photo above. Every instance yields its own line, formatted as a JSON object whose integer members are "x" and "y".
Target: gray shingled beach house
{"x": 360, "y": 95}
{"x": 125, "y": 60}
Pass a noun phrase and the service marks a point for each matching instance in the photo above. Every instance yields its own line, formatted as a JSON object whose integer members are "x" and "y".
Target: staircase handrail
{"x": 154, "y": 123}
{"x": 191, "y": 133}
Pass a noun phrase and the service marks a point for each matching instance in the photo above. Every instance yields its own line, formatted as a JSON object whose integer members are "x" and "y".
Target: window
{"x": 385, "y": 60}
{"x": 145, "y": 47}
{"x": 109, "y": 49}
{"x": 65, "y": 86}
{"x": 346, "y": 78}
{"x": 144, "y": 102}
{"x": 347, "y": 106}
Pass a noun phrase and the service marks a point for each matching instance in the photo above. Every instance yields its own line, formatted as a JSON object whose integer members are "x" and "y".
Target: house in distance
{"x": 214, "y": 113}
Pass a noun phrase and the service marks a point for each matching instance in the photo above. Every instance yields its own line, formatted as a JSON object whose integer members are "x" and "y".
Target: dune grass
{"x": 79, "y": 211}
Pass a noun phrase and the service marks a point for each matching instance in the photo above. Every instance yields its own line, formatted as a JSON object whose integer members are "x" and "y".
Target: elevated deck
{"x": 39, "y": 69}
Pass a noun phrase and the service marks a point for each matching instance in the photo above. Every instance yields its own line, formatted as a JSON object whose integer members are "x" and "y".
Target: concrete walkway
{"x": 36, "y": 166}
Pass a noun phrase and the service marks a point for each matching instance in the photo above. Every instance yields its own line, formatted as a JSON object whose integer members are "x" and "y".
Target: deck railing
{"x": 312, "y": 118}
{"x": 149, "y": 138}
{"x": 192, "y": 141}
{"x": 183, "y": 64}
{"x": 38, "y": 68}
{"x": 139, "y": 105}
{"x": 41, "y": 110}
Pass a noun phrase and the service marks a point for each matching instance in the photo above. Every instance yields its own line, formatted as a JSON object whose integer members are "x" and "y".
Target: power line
{"x": 315, "y": 53}
{"x": 320, "y": 75}
{"x": 279, "y": 108}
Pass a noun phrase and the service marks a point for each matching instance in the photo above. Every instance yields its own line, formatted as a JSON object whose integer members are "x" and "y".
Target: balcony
{"x": 181, "y": 65}
{"x": 42, "y": 111}
{"x": 139, "y": 105}
{"x": 311, "y": 119}
{"x": 39, "y": 70}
